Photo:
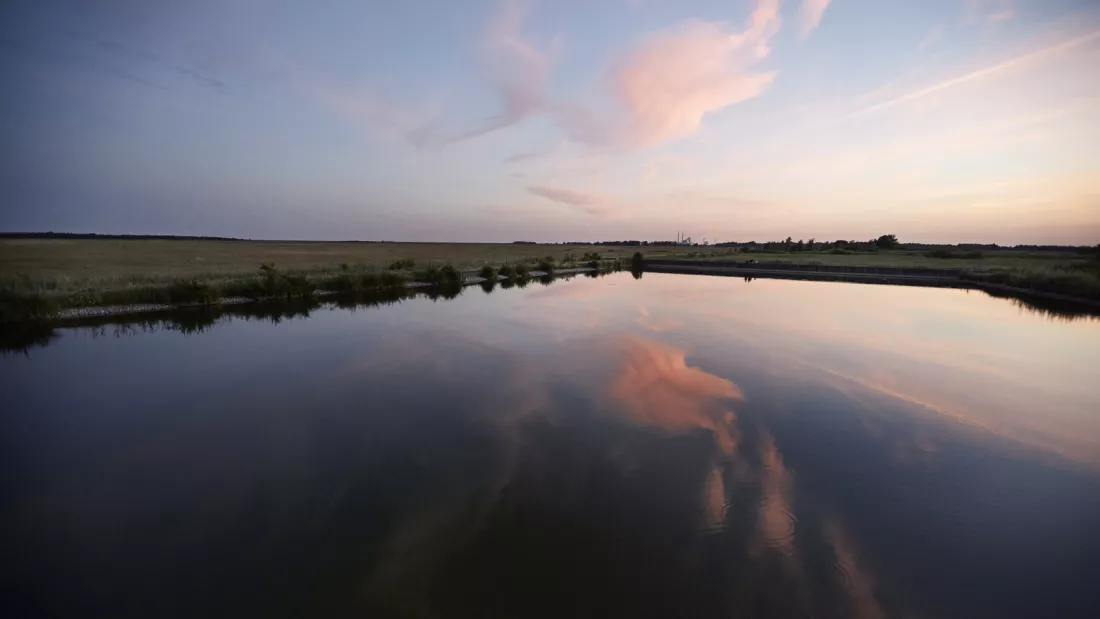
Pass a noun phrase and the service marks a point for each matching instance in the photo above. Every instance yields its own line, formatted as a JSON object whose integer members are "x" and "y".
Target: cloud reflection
{"x": 660, "y": 389}
{"x": 776, "y": 521}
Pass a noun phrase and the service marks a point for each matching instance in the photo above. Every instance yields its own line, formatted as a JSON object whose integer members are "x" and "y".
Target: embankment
{"x": 899, "y": 276}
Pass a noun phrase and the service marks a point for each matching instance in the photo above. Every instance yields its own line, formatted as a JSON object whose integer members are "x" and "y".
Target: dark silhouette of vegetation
{"x": 194, "y": 291}
{"x": 274, "y": 283}
{"x": 487, "y": 272}
{"x": 403, "y": 264}
{"x": 887, "y": 241}
{"x": 1076, "y": 282}
{"x": 637, "y": 261}
{"x": 546, "y": 265}
{"x": 112, "y": 237}
{"x": 34, "y": 306}
{"x": 972, "y": 254}
{"x": 438, "y": 275}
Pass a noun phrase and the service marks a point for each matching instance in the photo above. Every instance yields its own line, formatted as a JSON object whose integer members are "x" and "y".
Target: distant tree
{"x": 798, "y": 246}
{"x": 810, "y": 245}
{"x": 887, "y": 241}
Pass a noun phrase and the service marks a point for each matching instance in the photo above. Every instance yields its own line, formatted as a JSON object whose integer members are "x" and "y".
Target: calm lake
{"x": 670, "y": 446}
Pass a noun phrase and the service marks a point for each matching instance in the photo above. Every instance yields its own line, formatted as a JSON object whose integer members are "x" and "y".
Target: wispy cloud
{"x": 660, "y": 90}
{"x": 149, "y": 58}
{"x": 985, "y": 73}
{"x": 590, "y": 203}
{"x": 930, "y": 39}
{"x": 521, "y": 157}
{"x": 810, "y": 15}
{"x": 654, "y": 165}
{"x": 989, "y": 10}
{"x": 520, "y": 72}
{"x": 375, "y": 114}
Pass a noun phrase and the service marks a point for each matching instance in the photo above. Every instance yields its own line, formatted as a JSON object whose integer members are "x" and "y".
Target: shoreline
{"x": 122, "y": 310}
{"x": 934, "y": 278}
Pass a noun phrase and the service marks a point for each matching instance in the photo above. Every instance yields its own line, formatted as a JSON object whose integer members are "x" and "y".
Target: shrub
{"x": 369, "y": 281}
{"x": 193, "y": 291}
{"x": 486, "y": 272}
{"x": 393, "y": 279}
{"x": 404, "y": 263}
{"x": 15, "y": 306}
{"x": 637, "y": 262}
{"x": 508, "y": 271}
{"x": 546, "y": 266}
{"x": 429, "y": 274}
{"x": 521, "y": 270}
{"x": 445, "y": 274}
{"x": 275, "y": 283}
{"x": 450, "y": 274}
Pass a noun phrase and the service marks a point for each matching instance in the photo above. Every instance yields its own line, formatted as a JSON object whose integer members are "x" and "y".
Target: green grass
{"x": 66, "y": 265}
{"x": 1066, "y": 273}
{"x": 38, "y": 277}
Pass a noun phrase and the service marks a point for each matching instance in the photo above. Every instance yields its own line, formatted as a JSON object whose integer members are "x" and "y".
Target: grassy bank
{"x": 39, "y": 277}
{"x": 1065, "y": 273}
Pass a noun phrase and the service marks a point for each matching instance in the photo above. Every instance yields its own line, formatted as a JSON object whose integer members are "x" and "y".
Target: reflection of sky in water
{"x": 678, "y": 446}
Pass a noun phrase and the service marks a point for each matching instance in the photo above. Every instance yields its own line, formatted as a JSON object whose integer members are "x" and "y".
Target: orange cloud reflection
{"x": 658, "y": 388}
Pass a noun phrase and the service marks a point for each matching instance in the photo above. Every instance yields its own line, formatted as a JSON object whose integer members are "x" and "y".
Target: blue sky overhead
{"x": 938, "y": 120}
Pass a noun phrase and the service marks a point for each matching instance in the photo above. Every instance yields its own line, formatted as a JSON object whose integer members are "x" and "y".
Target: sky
{"x": 497, "y": 120}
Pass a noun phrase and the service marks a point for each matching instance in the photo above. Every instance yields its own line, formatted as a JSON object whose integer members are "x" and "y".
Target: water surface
{"x": 675, "y": 446}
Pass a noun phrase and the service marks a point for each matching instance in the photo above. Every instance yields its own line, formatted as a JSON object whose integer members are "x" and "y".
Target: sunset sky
{"x": 936, "y": 120}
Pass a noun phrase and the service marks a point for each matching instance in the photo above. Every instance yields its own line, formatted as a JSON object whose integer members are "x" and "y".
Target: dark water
{"x": 678, "y": 446}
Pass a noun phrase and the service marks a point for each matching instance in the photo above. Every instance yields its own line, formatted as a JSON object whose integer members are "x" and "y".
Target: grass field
{"x": 999, "y": 259}
{"x": 76, "y": 272}
{"x": 40, "y": 276}
{"x": 69, "y": 265}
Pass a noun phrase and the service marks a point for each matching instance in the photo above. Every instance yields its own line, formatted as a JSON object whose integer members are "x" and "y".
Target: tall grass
{"x": 1083, "y": 282}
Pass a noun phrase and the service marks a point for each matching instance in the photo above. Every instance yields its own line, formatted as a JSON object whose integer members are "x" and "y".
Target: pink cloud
{"x": 589, "y": 203}
{"x": 660, "y": 90}
{"x": 810, "y": 15}
{"x": 674, "y": 78}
